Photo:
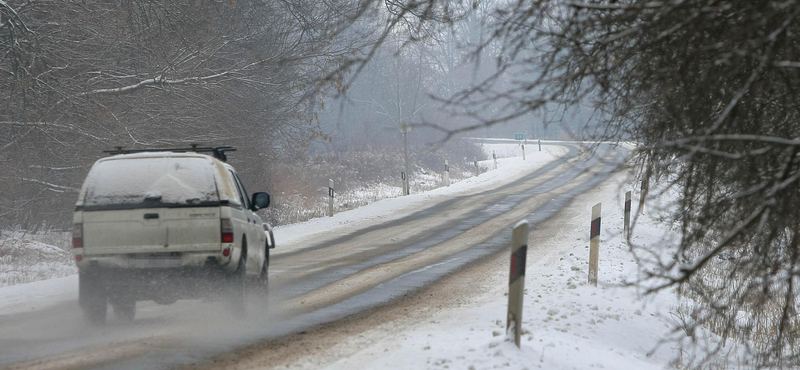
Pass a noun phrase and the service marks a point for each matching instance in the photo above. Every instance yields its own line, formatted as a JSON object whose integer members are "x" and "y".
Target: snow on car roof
{"x": 157, "y": 155}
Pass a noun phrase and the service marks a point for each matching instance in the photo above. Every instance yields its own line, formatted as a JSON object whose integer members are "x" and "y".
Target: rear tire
{"x": 263, "y": 280}
{"x": 264, "y": 276}
{"x": 124, "y": 308}
{"x": 92, "y": 298}
{"x": 238, "y": 298}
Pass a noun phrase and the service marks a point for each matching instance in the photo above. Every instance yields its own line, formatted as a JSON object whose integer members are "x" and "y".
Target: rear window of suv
{"x": 151, "y": 182}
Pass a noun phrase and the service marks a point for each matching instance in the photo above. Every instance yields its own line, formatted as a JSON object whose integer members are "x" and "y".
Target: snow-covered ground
{"x": 512, "y": 150}
{"x": 23, "y": 260}
{"x": 35, "y": 275}
{"x": 567, "y": 323}
{"x": 38, "y": 295}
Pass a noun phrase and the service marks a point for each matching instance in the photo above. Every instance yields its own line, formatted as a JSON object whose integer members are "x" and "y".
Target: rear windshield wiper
{"x": 152, "y": 198}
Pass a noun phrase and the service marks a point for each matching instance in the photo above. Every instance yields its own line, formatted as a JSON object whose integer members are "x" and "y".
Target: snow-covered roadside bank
{"x": 507, "y": 170}
{"x": 23, "y": 260}
{"x": 567, "y": 323}
{"x": 38, "y": 295}
{"x": 34, "y": 275}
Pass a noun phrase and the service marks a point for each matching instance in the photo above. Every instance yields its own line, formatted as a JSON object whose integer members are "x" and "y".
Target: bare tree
{"x": 79, "y": 77}
{"x": 709, "y": 90}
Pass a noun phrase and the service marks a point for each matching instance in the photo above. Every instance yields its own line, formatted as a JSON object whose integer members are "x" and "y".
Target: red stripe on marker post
{"x": 518, "y": 264}
{"x": 627, "y": 218}
{"x": 595, "y": 230}
{"x": 513, "y": 269}
{"x": 594, "y": 244}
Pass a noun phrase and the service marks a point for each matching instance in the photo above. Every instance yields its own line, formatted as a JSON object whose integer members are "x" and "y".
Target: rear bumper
{"x": 161, "y": 285}
{"x": 169, "y": 260}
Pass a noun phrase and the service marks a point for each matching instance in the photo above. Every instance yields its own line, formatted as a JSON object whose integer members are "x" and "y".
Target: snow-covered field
{"x": 512, "y": 150}
{"x": 23, "y": 260}
{"x": 38, "y": 295}
{"x": 34, "y": 274}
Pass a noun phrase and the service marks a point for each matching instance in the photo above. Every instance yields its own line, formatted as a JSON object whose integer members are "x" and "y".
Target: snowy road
{"x": 321, "y": 279}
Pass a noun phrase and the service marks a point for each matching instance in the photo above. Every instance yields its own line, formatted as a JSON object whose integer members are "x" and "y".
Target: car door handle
{"x": 150, "y": 216}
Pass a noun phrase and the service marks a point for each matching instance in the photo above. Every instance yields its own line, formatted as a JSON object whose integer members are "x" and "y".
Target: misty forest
{"x": 706, "y": 92}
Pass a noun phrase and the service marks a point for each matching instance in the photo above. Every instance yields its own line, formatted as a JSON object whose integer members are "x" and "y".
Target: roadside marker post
{"x": 330, "y": 198}
{"x": 523, "y": 152}
{"x": 446, "y": 172}
{"x": 627, "y": 226}
{"x": 494, "y": 156}
{"x": 516, "y": 280}
{"x": 540, "y": 145}
{"x": 642, "y": 194}
{"x": 405, "y": 128}
{"x": 405, "y": 182}
{"x": 477, "y": 168}
{"x": 645, "y": 186}
{"x": 594, "y": 244}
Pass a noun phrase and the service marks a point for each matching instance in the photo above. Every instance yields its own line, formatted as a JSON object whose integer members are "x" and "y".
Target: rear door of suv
{"x": 151, "y": 205}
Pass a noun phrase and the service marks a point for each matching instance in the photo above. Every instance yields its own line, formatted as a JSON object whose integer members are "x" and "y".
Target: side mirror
{"x": 260, "y": 201}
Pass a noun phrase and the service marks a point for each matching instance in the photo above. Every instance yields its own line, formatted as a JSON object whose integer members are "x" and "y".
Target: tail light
{"x": 226, "y": 227}
{"x": 77, "y": 236}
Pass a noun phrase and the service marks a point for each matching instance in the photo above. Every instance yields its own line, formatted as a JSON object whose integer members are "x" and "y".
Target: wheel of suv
{"x": 124, "y": 308}
{"x": 263, "y": 277}
{"x": 239, "y": 283}
{"x": 92, "y": 298}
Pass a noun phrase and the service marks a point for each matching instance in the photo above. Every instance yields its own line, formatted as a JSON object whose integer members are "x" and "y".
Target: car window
{"x": 242, "y": 192}
{"x": 231, "y": 184}
{"x": 151, "y": 182}
{"x": 231, "y": 190}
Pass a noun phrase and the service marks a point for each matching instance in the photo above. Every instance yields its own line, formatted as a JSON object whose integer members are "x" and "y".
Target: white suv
{"x": 166, "y": 225}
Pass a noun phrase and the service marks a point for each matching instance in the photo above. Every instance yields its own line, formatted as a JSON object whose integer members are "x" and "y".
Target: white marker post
{"x": 330, "y": 198}
{"x": 523, "y": 152}
{"x": 516, "y": 280}
{"x": 446, "y": 173}
{"x": 627, "y": 227}
{"x": 645, "y": 186}
{"x": 540, "y": 145}
{"x": 405, "y": 128}
{"x": 594, "y": 244}
{"x": 477, "y": 168}
{"x": 405, "y": 182}
{"x": 642, "y": 193}
{"x": 494, "y": 156}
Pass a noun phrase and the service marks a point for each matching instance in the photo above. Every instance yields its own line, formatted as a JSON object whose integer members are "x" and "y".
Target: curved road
{"x": 334, "y": 277}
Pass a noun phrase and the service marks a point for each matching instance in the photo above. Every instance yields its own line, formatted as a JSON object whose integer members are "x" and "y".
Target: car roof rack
{"x": 217, "y": 151}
